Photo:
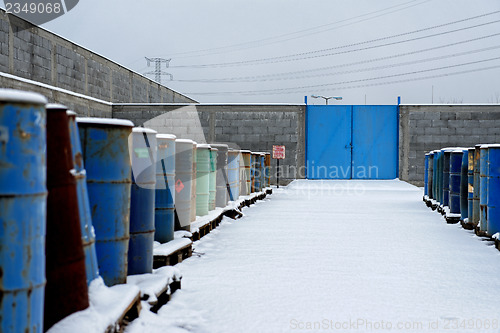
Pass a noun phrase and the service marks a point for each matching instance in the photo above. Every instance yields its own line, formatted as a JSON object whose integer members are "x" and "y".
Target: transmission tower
{"x": 158, "y": 72}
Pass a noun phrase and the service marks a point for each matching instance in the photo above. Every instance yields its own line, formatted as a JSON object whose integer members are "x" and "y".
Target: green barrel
{"x": 202, "y": 179}
{"x": 212, "y": 179}
{"x": 193, "y": 185}
{"x": 165, "y": 188}
{"x": 183, "y": 180}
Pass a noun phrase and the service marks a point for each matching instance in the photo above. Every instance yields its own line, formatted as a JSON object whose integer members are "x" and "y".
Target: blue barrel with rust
{"x": 183, "y": 183}
{"x": 483, "y": 187}
{"x": 203, "y": 152}
{"x": 233, "y": 174}
{"x": 477, "y": 186}
{"x": 165, "y": 188}
{"x": 143, "y": 155}
{"x": 107, "y": 162}
{"x": 23, "y": 197}
{"x": 222, "y": 181}
{"x": 446, "y": 177}
{"x": 430, "y": 175}
{"x": 470, "y": 185}
{"x": 87, "y": 229}
{"x": 493, "y": 199}
{"x": 455, "y": 179}
{"x": 426, "y": 177}
{"x": 263, "y": 181}
{"x": 252, "y": 171}
{"x": 464, "y": 186}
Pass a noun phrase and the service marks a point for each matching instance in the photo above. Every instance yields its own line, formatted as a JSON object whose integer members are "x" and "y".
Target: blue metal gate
{"x": 352, "y": 142}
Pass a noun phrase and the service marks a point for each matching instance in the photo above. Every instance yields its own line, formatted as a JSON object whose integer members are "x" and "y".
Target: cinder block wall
{"x": 30, "y": 52}
{"x": 428, "y": 127}
{"x": 254, "y": 127}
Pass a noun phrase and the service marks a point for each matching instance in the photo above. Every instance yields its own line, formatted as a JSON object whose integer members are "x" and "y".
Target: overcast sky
{"x": 224, "y": 37}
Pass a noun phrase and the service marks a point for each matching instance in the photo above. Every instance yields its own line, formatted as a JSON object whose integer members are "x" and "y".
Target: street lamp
{"x": 327, "y": 98}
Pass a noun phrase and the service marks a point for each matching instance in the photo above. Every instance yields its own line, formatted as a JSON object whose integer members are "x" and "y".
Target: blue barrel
{"x": 252, "y": 171}
{"x": 470, "y": 181}
{"x": 263, "y": 170}
{"x": 23, "y": 196}
{"x": 430, "y": 175}
{"x": 477, "y": 186}
{"x": 233, "y": 174}
{"x": 426, "y": 177}
{"x": 446, "y": 178}
{"x": 183, "y": 183}
{"x": 483, "y": 185}
{"x": 439, "y": 177}
{"x": 455, "y": 181}
{"x": 464, "y": 185}
{"x": 493, "y": 190}
{"x": 165, "y": 188}
{"x": 257, "y": 173}
{"x": 107, "y": 162}
{"x": 222, "y": 181}
{"x": 143, "y": 152}
{"x": 87, "y": 229}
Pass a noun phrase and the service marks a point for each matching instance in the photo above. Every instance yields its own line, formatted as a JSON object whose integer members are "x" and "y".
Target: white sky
{"x": 126, "y": 31}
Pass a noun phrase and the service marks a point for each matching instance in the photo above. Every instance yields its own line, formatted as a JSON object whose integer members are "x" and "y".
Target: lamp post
{"x": 327, "y": 98}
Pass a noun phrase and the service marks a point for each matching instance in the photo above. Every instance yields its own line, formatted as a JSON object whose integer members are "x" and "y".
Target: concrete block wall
{"x": 33, "y": 53}
{"x": 253, "y": 127}
{"x": 428, "y": 127}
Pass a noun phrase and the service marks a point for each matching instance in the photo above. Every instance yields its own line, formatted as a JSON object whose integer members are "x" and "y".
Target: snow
{"x": 168, "y": 248}
{"x": 334, "y": 252}
{"x": 56, "y": 106}
{"x": 17, "y": 96}
{"x": 184, "y": 141}
{"x": 105, "y": 121}
{"x": 152, "y": 285}
{"x": 203, "y": 146}
{"x": 166, "y": 136}
{"x": 143, "y": 130}
{"x": 71, "y": 113}
{"x": 107, "y": 305}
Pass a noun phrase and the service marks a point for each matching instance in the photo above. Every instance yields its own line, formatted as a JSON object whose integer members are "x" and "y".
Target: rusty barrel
{"x": 23, "y": 197}
{"x": 464, "y": 204}
{"x": 267, "y": 162}
{"x": 213, "y": 178}
{"x": 87, "y": 229}
{"x": 107, "y": 162}
{"x": 143, "y": 153}
{"x": 233, "y": 173}
{"x": 183, "y": 182}
{"x": 193, "y": 184}
{"x": 493, "y": 190}
{"x": 477, "y": 186}
{"x": 202, "y": 179}
{"x": 252, "y": 171}
{"x": 470, "y": 183}
{"x": 165, "y": 188}
{"x": 66, "y": 290}
{"x": 483, "y": 185}
{"x": 243, "y": 182}
{"x": 221, "y": 195}
{"x": 246, "y": 157}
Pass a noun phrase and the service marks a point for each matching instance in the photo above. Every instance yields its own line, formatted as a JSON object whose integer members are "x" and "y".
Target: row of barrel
{"x": 87, "y": 197}
{"x": 464, "y": 185}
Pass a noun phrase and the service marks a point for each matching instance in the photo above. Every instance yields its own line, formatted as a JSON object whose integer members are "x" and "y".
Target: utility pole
{"x": 158, "y": 72}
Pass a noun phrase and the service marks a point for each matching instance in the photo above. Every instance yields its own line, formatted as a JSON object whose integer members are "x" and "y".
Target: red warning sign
{"x": 178, "y": 186}
{"x": 279, "y": 152}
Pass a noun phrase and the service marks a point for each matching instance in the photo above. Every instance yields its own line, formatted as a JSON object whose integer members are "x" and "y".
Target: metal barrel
{"x": 263, "y": 170}
{"x": 203, "y": 152}
{"x": 107, "y": 162}
{"x": 213, "y": 178}
{"x": 455, "y": 180}
{"x": 470, "y": 181}
{"x": 193, "y": 185}
{"x": 233, "y": 174}
{"x": 483, "y": 184}
{"x": 165, "y": 188}
{"x": 221, "y": 196}
{"x": 23, "y": 197}
{"x": 441, "y": 177}
{"x": 87, "y": 229}
{"x": 268, "y": 169}
{"x": 257, "y": 173}
{"x": 493, "y": 190}
{"x": 66, "y": 291}
{"x": 464, "y": 184}
{"x": 430, "y": 172}
{"x": 252, "y": 172}
{"x": 446, "y": 178}
{"x": 426, "y": 176}
{"x": 143, "y": 155}
{"x": 435, "y": 178}
{"x": 246, "y": 156}
{"x": 475, "y": 194}
{"x": 243, "y": 181}
{"x": 183, "y": 180}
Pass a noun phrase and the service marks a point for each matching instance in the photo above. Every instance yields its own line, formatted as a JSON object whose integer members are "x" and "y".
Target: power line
{"x": 298, "y": 89}
{"x": 308, "y": 55}
{"x": 158, "y": 72}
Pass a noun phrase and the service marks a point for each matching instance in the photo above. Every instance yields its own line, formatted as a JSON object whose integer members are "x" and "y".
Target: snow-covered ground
{"x": 341, "y": 256}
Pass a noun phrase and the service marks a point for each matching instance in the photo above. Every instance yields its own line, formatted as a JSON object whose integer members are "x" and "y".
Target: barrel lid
{"x": 243, "y": 151}
{"x": 214, "y": 149}
{"x": 71, "y": 113}
{"x": 105, "y": 121}
{"x": 56, "y": 107}
{"x": 17, "y": 96}
{"x": 220, "y": 146}
{"x": 234, "y": 150}
{"x": 203, "y": 146}
{"x": 184, "y": 141}
{"x": 166, "y": 136}
{"x": 495, "y": 145}
{"x": 143, "y": 130}
{"x": 487, "y": 145}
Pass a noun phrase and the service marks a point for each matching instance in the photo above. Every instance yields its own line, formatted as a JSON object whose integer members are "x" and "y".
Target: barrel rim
{"x": 71, "y": 113}
{"x": 203, "y": 146}
{"x": 214, "y": 149}
{"x": 184, "y": 141}
{"x": 245, "y": 151}
{"x": 166, "y": 136}
{"x": 220, "y": 145}
{"x": 105, "y": 121}
{"x": 55, "y": 107}
{"x": 143, "y": 130}
{"x": 18, "y": 96}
